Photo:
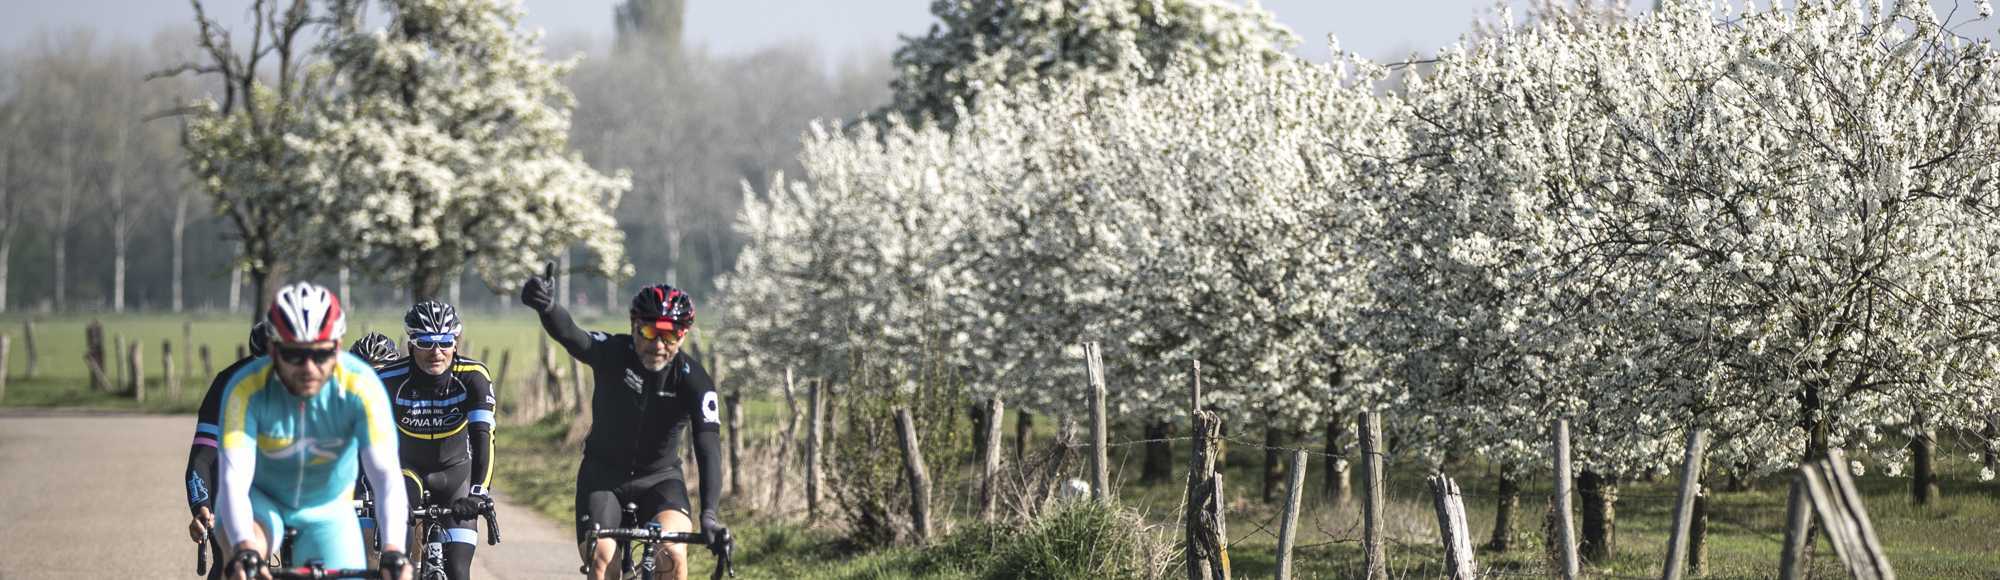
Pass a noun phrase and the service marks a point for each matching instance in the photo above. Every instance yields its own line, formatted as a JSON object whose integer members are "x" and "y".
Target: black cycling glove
{"x": 713, "y": 529}
{"x": 539, "y": 292}
{"x": 468, "y": 506}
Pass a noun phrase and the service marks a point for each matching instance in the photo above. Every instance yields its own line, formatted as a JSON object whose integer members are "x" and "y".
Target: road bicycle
{"x": 313, "y": 570}
{"x": 428, "y": 523}
{"x": 651, "y": 537}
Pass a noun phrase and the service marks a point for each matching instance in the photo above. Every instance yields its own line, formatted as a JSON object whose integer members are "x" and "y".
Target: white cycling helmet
{"x": 306, "y": 312}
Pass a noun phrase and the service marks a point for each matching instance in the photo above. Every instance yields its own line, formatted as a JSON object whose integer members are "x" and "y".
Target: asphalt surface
{"x": 98, "y": 495}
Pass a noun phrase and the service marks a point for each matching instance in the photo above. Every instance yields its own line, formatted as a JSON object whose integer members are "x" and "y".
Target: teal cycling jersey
{"x": 300, "y": 453}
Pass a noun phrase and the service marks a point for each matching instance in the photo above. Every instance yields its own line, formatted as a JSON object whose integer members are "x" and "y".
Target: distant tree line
{"x": 98, "y": 209}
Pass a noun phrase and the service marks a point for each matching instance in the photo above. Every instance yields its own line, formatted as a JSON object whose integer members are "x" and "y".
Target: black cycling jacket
{"x": 637, "y": 415}
{"x": 442, "y": 420}
{"x": 200, "y": 475}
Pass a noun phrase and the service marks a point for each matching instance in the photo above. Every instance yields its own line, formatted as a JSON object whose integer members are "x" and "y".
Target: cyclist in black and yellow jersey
{"x": 443, "y": 404}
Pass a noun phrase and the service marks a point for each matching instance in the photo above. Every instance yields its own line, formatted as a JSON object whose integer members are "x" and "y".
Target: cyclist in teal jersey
{"x": 296, "y": 426}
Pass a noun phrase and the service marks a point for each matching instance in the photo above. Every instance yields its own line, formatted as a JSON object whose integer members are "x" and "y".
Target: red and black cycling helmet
{"x": 665, "y": 307}
{"x": 306, "y": 312}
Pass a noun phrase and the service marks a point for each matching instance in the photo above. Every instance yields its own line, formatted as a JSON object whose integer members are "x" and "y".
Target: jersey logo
{"x": 322, "y": 450}
{"x": 197, "y": 491}
{"x": 632, "y": 381}
{"x": 599, "y": 336}
{"x": 441, "y": 421}
{"x": 710, "y": 411}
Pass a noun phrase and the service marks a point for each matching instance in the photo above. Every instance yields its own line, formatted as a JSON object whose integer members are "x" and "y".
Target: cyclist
{"x": 376, "y": 349}
{"x": 295, "y": 424}
{"x": 647, "y": 393}
{"x": 443, "y": 404}
{"x": 200, "y": 476}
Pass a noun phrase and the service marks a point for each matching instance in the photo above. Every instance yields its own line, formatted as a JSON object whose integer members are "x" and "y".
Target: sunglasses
{"x": 299, "y": 356}
{"x": 434, "y": 344}
{"x": 651, "y": 332}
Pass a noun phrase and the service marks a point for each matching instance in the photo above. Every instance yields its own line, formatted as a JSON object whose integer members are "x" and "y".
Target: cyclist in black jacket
{"x": 648, "y": 391}
{"x": 443, "y": 404}
{"x": 200, "y": 475}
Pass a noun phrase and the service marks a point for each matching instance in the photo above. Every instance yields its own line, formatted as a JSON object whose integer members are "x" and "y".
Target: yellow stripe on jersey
{"x": 237, "y": 407}
{"x": 473, "y": 367}
{"x": 374, "y": 398}
{"x": 461, "y": 427}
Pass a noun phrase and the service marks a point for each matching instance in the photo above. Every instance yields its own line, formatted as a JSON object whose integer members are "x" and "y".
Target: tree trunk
{"x": 62, "y": 268}
{"x": 118, "y": 244}
{"x": 1339, "y": 484}
{"x": 180, "y": 248}
{"x": 1506, "y": 506}
{"x": 6, "y": 255}
{"x": 1923, "y": 486}
{"x": 427, "y": 279}
{"x": 6, "y": 228}
{"x": 1818, "y": 431}
{"x": 1600, "y": 516}
{"x": 1274, "y": 463}
{"x": 1697, "y": 563}
{"x": 562, "y": 280}
{"x": 1159, "y": 452}
{"x": 268, "y": 280}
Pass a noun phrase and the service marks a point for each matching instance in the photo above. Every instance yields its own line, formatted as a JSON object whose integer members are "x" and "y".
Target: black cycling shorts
{"x": 602, "y": 492}
{"x": 444, "y": 487}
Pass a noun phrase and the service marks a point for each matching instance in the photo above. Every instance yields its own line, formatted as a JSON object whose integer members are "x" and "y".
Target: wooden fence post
{"x": 920, "y": 481}
{"x": 1845, "y": 520}
{"x": 167, "y": 374}
{"x": 1677, "y": 543}
{"x": 1207, "y": 558}
{"x": 207, "y": 367}
{"x": 93, "y": 342}
{"x": 118, "y": 362}
{"x": 1100, "y": 464}
{"x": 1452, "y": 529}
{"x": 187, "y": 347}
{"x": 1288, "y": 528}
{"x": 1373, "y": 496}
{"x": 134, "y": 357}
{"x": 1560, "y": 502}
{"x": 500, "y": 380}
{"x": 28, "y": 338}
{"x": 989, "y": 495}
{"x": 815, "y": 480}
{"x": 1798, "y": 529}
{"x": 787, "y": 445}
{"x": 735, "y": 401}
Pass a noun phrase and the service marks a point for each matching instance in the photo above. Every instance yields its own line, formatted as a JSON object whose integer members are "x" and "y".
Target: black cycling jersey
{"x": 637, "y": 415}
{"x": 200, "y": 475}
{"x": 442, "y": 420}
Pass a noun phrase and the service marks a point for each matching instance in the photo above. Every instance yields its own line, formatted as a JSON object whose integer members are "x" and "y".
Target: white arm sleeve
{"x": 239, "y": 466}
{"x": 385, "y": 475}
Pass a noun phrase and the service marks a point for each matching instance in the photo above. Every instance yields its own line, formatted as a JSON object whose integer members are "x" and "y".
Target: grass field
{"x": 1958, "y": 537}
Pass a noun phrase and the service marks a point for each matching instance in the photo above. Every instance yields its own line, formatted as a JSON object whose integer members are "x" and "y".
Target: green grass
{"x": 1959, "y": 537}
{"x": 1956, "y": 538}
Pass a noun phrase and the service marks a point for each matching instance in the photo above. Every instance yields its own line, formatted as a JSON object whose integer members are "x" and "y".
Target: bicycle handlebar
{"x": 649, "y": 535}
{"x": 486, "y": 510}
{"x": 724, "y": 547}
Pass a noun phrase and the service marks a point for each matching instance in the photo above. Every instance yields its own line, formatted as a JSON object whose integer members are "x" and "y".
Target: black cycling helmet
{"x": 260, "y": 338}
{"x": 376, "y": 348}
{"x": 664, "y": 306}
{"x": 432, "y": 319}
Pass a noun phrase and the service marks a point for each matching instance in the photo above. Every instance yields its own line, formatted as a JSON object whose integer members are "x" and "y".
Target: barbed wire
{"x": 1573, "y": 490}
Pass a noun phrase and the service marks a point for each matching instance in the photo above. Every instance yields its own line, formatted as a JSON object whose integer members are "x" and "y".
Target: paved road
{"x": 98, "y": 496}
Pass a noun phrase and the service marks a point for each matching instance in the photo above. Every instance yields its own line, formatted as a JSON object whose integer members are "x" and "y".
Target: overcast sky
{"x": 840, "y": 27}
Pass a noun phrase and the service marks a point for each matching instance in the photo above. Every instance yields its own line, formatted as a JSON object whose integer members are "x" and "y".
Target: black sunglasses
{"x": 299, "y": 356}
